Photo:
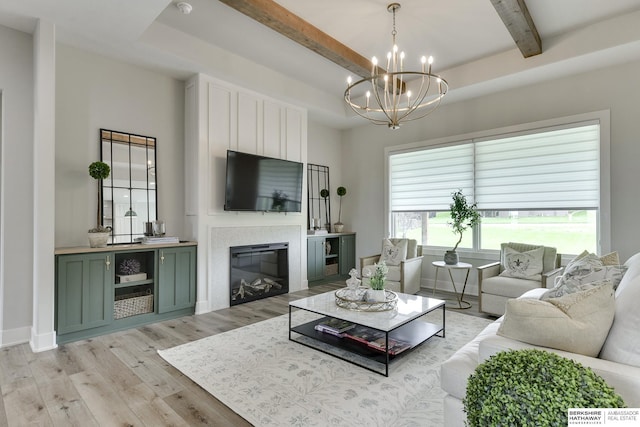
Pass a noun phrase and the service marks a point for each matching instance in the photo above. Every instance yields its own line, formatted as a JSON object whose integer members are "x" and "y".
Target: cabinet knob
{"x": 162, "y": 257}
{"x": 107, "y": 262}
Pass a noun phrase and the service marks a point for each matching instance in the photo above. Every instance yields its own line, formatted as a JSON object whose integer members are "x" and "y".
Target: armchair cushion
{"x": 393, "y": 253}
{"x": 549, "y": 259}
{"x": 508, "y": 286}
{"x": 578, "y": 322}
{"x": 523, "y": 265}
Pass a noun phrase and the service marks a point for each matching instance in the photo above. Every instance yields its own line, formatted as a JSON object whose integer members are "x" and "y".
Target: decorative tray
{"x": 357, "y": 300}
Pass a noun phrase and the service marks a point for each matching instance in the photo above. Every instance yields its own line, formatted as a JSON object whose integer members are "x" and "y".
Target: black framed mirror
{"x": 318, "y": 197}
{"x": 130, "y": 193}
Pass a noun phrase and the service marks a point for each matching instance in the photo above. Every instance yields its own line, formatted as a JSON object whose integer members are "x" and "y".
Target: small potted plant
{"x": 99, "y": 236}
{"x": 463, "y": 216}
{"x": 339, "y": 226}
{"x": 376, "y": 282}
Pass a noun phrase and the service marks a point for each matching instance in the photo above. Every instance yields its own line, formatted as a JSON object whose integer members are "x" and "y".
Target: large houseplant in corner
{"x": 463, "y": 216}
{"x": 99, "y": 236}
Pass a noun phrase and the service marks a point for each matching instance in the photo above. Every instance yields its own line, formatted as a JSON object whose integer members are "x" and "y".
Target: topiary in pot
{"x": 339, "y": 226}
{"x": 533, "y": 388}
{"x": 99, "y": 235}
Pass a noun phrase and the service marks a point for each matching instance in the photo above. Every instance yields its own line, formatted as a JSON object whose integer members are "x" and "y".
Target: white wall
{"x": 16, "y": 193}
{"x": 615, "y": 89}
{"x": 324, "y": 148}
{"x": 94, "y": 92}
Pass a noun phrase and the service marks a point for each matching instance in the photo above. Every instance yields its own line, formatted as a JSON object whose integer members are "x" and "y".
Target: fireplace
{"x": 258, "y": 271}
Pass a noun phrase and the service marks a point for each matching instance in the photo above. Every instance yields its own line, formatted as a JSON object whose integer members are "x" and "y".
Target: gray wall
{"x": 16, "y": 194}
{"x": 94, "y": 92}
{"x": 615, "y": 89}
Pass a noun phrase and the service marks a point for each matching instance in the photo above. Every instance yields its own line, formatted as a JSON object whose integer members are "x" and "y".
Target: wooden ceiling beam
{"x": 279, "y": 19}
{"x": 516, "y": 18}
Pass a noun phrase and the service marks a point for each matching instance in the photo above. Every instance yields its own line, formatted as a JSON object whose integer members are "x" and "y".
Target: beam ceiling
{"x": 514, "y": 14}
{"x": 516, "y": 18}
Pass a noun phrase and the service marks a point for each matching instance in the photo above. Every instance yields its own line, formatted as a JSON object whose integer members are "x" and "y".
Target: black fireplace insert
{"x": 258, "y": 271}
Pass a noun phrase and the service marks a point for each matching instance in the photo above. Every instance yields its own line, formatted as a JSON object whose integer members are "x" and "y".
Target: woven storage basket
{"x": 331, "y": 269}
{"x": 132, "y": 304}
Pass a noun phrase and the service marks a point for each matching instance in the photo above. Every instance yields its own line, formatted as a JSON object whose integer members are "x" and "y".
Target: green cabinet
{"x": 315, "y": 258}
{"x": 347, "y": 253}
{"x": 84, "y": 292}
{"x": 176, "y": 279}
{"x": 100, "y": 291}
{"x": 330, "y": 256}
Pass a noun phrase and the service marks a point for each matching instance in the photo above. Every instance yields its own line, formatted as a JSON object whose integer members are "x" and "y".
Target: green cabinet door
{"x": 347, "y": 253}
{"x": 176, "y": 278}
{"x": 315, "y": 258}
{"x": 84, "y": 292}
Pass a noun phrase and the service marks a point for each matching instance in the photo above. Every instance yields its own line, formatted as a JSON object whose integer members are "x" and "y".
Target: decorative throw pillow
{"x": 577, "y": 322}
{"x": 393, "y": 254}
{"x": 583, "y": 270}
{"x": 523, "y": 265}
{"x": 623, "y": 342}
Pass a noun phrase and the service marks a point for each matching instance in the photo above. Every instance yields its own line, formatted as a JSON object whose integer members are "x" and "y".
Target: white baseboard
{"x": 11, "y": 337}
{"x": 42, "y": 342}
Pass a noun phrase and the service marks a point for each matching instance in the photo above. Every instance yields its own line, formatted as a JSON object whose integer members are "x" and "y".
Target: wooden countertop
{"x": 116, "y": 248}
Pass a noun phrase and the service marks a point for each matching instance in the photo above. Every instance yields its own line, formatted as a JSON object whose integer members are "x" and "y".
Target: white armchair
{"x": 494, "y": 290}
{"x": 404, "y": 278}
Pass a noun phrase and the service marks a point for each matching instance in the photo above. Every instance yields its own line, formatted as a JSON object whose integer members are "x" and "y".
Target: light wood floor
{"x": 119, "y": 380}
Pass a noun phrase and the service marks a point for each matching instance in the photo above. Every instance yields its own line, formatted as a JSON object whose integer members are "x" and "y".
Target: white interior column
{"x": 43, "y": 336}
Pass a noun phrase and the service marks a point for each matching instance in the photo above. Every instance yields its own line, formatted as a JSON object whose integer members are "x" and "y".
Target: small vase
{"x": 98, "y": 240}
{"x": 338, "y": 227}
{"x": 376, "y": 295}
{"x": 451, "y": 257}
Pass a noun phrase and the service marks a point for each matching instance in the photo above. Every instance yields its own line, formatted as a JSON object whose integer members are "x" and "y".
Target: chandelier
{"x": 393, "y": 102}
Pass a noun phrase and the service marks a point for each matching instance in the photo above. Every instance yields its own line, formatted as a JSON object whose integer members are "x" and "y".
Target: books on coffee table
{"x": 395, "y": 346}
{"x": 334, "y": 326}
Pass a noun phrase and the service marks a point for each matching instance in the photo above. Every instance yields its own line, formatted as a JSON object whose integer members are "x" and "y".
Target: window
{"x": 540, "y": 185}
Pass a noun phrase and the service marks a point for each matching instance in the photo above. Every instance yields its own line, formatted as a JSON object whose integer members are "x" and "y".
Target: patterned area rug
{"x": 271, "y": 381}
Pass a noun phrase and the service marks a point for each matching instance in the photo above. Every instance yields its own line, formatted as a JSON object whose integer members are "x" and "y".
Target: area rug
{"x": 270, "y": 381}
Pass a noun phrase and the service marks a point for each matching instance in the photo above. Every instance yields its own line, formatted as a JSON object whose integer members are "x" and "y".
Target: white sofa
{"x": 618, "y": 362}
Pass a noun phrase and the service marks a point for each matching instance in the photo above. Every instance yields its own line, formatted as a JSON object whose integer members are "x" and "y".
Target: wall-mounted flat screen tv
{"x": 262, "y": 184}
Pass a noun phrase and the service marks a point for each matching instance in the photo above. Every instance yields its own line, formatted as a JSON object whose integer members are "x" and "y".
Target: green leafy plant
{"x": 341, "y": 192}
{"x": 99, "y": 171}
{"x": 533, "y": 387}
{"x": 463, "y": 215}
{"x": 379, "y": 276}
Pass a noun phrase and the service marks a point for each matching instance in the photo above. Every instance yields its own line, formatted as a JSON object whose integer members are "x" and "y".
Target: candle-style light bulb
{"x": 368, "y": 96}
{"x": 374, "y": 61}
{"x": 349, "y": 80}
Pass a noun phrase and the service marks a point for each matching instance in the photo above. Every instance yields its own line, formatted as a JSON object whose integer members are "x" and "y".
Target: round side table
{"x": 461, "y": 303}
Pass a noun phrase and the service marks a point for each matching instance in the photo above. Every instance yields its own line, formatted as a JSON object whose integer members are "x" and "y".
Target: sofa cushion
{"x": 507, "y": 286}
{"x": 393, "y": 254}
{"x": 522, "y": 265}
{"x": 578, "y": 322}
{"x": 623, "y": 343}
{"x": 455, "y": 371}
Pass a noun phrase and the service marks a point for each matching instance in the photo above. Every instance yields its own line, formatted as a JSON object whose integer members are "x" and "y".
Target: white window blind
{"x": 423, "y": 180}
{"x": 539, "y": 170}
{"x": 557, "y": 169}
